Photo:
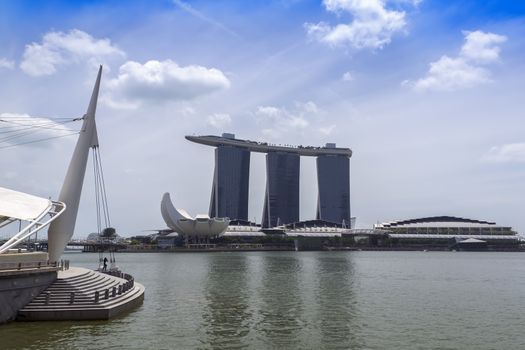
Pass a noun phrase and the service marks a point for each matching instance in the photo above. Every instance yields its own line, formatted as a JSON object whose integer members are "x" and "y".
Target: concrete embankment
{"x": 22, "y": 277}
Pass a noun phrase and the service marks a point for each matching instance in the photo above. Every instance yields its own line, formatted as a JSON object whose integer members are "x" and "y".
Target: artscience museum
{"x": 200, "y": 226}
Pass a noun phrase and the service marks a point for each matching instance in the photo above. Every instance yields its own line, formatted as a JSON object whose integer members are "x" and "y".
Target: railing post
{"x": 72, "y": 297}
{"x": 97, "y": 296}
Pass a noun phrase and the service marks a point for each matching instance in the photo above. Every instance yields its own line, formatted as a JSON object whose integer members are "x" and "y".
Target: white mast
{"x": 61, "y": 230}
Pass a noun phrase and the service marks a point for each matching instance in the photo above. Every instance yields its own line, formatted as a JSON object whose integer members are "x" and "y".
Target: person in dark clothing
{"x": 105, "y": 264}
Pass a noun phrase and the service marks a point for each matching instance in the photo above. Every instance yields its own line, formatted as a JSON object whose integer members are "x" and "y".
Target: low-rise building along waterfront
{"x": 448, "y": 231}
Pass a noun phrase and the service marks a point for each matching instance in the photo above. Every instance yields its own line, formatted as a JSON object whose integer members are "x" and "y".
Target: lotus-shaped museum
{"x": 184, "y": 224}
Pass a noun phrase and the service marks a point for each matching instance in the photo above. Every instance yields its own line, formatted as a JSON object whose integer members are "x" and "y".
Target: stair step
{"x": 84, "y": 283}
{"x": 85, "y": 303}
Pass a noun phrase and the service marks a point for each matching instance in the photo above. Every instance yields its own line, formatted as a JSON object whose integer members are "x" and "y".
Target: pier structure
{"x": 230, "y": 187}
{"x": 37, "y": 286}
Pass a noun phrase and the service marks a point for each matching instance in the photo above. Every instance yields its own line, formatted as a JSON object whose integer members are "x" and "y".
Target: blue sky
{"x": 428, "y": 94}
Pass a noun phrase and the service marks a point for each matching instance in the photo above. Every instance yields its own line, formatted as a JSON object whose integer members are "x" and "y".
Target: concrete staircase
{"x": 83, "y": 294}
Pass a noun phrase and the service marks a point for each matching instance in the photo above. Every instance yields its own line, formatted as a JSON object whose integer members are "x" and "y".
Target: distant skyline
{"x": 428, "y": 95}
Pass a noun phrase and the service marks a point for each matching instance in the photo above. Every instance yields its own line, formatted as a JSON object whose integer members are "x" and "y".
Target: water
{"x": 305, "y": 300}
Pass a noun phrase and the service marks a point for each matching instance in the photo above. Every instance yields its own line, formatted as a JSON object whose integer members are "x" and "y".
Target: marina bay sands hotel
{"x": 229, "y": 197}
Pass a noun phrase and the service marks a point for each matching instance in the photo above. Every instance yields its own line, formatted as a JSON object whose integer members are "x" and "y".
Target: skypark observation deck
{"x": 229, "y": 197}
{"x": 264, "y": 147}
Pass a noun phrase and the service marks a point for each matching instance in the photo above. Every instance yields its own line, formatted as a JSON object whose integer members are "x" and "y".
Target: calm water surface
{"x": 306, "y": 300}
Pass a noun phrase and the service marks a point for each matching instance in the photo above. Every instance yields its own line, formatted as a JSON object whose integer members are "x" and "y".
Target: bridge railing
{"x": 23, "y": 265}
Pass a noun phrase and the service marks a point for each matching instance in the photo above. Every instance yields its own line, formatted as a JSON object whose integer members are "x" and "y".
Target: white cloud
{"x": 7, "y": 64}
{"x": 327, "y": 130}
{"x": 23, "y": 129}
{"x": 279, "y": 120}
{"x": 58, "y": 48}
{"x": 452, "y": 74}
{"x": 481, "y": 47}
{"x": 372, "y": 25}
{"x": 508, "y": 153}
{"x": 219, "y": 120}
{"x": 276, "y": 121}
{"x": 347, "y": 76}
{"x": 163, "y": 81}
{"x": 307, "y": 107}
{"x": 304, "y": 118}
{"x": 468, "y": 68}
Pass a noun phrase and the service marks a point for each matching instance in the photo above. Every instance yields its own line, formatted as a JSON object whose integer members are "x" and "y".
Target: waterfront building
{"x": 333, "y": 173}
{"x": 191, "y": 228}
{"x": 229, "y": 195}
{"x": 239, "y": 229}
{"x": 281, "y": 202}
{"x": 448, "y": 231}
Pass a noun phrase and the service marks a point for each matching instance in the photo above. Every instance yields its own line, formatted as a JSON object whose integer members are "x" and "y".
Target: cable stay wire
{"x": 19, "y": 128}
{"x": 51, "y": 119}
{"x": 17, "y": 135}
{"x": 39, "y": 140}
{"x": 36, "y": 123}
{"x": 24, "y": 132}
{"x": 102, "y": 208}
{"x": 104, "y": 194}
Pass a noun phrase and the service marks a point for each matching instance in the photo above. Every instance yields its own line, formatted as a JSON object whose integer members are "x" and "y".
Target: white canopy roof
{"x": 22, "y": 206}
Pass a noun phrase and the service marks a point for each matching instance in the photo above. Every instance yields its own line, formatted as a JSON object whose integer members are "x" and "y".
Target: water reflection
{"x": 337, "y": 313}
{"x": 226, "y": 314}
{"x": 48, "y": 335}
{"x": 281, "y": 307}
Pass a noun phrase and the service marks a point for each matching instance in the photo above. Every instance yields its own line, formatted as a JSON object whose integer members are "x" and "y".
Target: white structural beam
{"x": 61, "y": 230}
{"x": 22, "y": 206}
{"x": 37, "y": 212}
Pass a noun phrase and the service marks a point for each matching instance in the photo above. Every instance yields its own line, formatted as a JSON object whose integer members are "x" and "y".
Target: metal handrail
{"x": 62, "y": 264}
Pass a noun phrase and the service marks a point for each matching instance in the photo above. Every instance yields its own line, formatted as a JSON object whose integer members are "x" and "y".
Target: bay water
{"x": 303, "y": 300}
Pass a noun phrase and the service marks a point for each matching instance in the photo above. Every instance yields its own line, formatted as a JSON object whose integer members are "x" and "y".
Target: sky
{"x": 429, "y": 95}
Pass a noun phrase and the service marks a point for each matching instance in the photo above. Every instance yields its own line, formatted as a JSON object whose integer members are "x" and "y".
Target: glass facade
{"x": 229, "y": 195}
{"x": 281, "y": 201}
{"x": 333, "y": 179}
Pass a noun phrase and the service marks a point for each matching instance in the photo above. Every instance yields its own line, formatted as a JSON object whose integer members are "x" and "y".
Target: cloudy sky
{"x": 429, "y": 94}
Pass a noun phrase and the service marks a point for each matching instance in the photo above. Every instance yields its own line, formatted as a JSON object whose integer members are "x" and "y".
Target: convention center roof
{"x": 436, "y": 221}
